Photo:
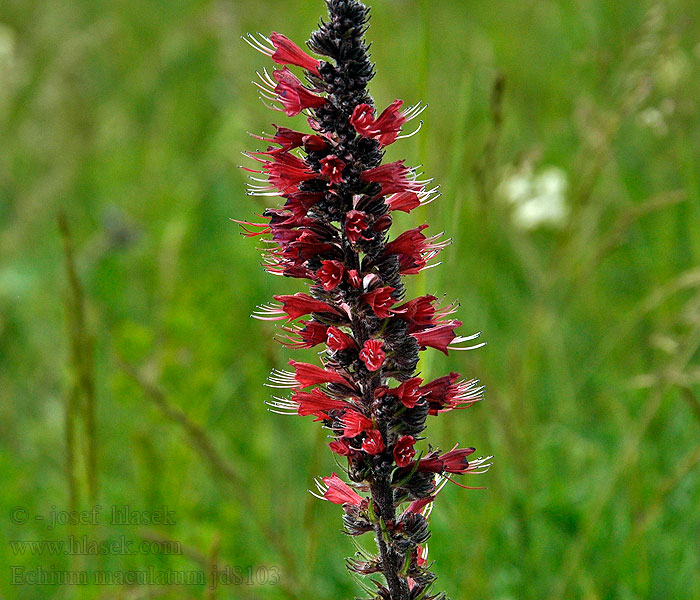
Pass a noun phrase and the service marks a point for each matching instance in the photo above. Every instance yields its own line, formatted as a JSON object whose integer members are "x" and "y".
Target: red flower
{"x": 289, "y": 139}
{"x": 403, "y": 201}
{"x": 380, "y": 300}
{"x": 339, "y": 492}
{"x": 283, "y": 51}
{"x": 411, "y": 242}
{"x": 311, "y": 335}
{"x": 288, "y": 53}
{"x": 414, "y": 250}
{"x": 330, "y": 274}
{"x": 419, "y": 310}
{"x": 354, "y": 278}
{"x": 292, "y": 94}
{"x": 315, "y": 143}
{"x": 293, "y": 307}
{"x": 355, "y": 423}
{"x": 338, "y": 340}
{"x": 439, "y": 337}
{"x": 388, "y": 125}
{"x": 286, "y": 172}
{"x": 454, "y": 461}
{"x": 355, "y": 224}
{"x": 316, "y": 403}
{"x": 362, "y": 119}
{"x": 418, "y": 505}
{"x": 373, "y": 355}
{"x": 409, "y": 392}
{"x": 393, "y": 178}
{"x": 332, "y": 167}
{"x": 446, "y": 393}
{"x": 305, "y": 246}
{"x": 340, "y": 447}
{"x": 404, "y": 450}
{"x": 385, "y": 129}
{"x": 299, "y": 203}
{"x": 307, "y": 375}
{"x": 421, "y": 313}
{"x": 373, "y": 442}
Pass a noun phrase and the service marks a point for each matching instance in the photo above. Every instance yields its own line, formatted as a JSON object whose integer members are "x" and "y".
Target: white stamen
{"x": 414, "y": 132}
{"x": 282, "y": 379}
{"x": 413, "y": 111}
{"x": 259, "y": 45}
{"x": 479, "y": 466}
{"x": 269, "y": 312}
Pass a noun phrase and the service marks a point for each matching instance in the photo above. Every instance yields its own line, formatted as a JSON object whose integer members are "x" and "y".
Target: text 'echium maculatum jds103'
{"x": 333, "y": 229}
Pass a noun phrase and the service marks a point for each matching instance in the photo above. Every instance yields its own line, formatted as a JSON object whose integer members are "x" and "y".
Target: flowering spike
{"x": 334, "y": 228}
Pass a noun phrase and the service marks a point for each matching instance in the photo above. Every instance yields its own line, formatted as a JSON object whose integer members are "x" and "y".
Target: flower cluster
{"x": 333, "y": 229}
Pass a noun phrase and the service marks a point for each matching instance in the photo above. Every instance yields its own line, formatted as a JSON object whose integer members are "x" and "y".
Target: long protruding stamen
{"x": 410, "y": 135}
{"x": 282, "y": 379}
{"x": 414, "y": 111}
{"x": 263, "y": 45}
{"x": 461, "y": 339}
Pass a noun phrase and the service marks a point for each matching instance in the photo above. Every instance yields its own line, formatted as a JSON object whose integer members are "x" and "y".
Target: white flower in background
{"x": 653, "y": 119}
{"x": 537, "y": 199}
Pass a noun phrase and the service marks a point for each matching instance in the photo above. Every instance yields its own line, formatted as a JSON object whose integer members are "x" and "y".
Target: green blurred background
{"x": 565, "y": 136}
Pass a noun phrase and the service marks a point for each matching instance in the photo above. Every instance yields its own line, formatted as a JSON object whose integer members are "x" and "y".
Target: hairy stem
{"x": 382, "y": 495}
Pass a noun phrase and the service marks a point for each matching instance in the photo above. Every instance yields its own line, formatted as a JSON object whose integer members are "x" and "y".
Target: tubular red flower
{"x": 373, "y": 355}
{"x": 384, "y": 129}
{"x": 354, "y": 278}
{"x": 292, "y": 94}
{"x": 454, "y": 461}
{"x": 312, "y": 334}
{"x": 307, "y": 375}
{"x": 410, "y": 242}
{"x": 373, "y": 442}
{"x": 418, "y": 312}
{"x": 286, "y": 171}
{"x": 404, "y": 450}
{"x": 393, "y": 178}
{"x": 380, "y": 301}
{"x": 339, "y": 492}
{"x": 330, "y": 274}
{"x": 332, "y": 167}
{"x": 409, "y": 392}
{"x": 403, "y": 201}
{"x": 317, "y": 403}
{"x": 340, "y": 447}
{"x": 362, "y": 119}
{"x": 355, "y": 224}
{"x": 439, "y": 337}
{"x": 355, "y": 423}
{"x": 299, "y": 203}
{"x": 288, "y": 53}
{"x": 299, "y": 304}
{"x": 447, "y": 393}
{"x": 338, "y": 340}
{"x": 388, "y": 125}
{"x": 289, "y": 139}
{"x": 418, "y": 505}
